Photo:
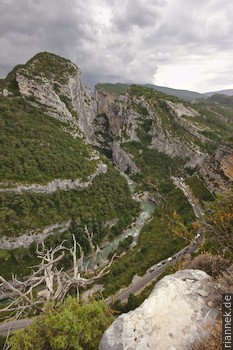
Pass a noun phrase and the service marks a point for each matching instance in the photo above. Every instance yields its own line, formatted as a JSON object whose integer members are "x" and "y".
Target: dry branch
{"x": 56, "y": 283}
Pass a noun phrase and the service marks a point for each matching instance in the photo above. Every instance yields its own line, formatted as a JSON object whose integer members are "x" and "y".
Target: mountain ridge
{"x": 56, "y": 136}
{"x": 137, "y": 127}
{"x": 45, "y": 143}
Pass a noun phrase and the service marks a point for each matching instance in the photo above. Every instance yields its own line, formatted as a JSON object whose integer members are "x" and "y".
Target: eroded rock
{"x": 173, "y": 317}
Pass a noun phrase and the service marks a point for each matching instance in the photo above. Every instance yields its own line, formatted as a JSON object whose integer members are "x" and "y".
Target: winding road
{"x": 152, "y": 273}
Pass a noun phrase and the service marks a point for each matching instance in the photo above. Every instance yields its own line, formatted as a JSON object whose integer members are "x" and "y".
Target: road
{"x": 197, "y": 211}
{"x": 152, "y": 273}
{"x": 4, "y": 327}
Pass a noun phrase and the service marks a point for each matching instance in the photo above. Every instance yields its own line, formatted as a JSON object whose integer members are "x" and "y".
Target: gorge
{"x": 69, "y": 158}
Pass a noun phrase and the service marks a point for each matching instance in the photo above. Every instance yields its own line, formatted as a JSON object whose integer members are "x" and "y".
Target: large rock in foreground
{"x": 176, "y": 314}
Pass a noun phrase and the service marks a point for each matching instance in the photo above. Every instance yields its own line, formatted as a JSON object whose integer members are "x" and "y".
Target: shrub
{"x": 214, "y": 265}
{"x": 69, "y": 326}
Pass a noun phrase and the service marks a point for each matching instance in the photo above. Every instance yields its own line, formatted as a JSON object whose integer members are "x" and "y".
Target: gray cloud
{"x": 183, "y": 44}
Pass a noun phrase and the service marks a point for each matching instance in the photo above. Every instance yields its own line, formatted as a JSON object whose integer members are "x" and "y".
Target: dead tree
{"x": 50, "y": 283}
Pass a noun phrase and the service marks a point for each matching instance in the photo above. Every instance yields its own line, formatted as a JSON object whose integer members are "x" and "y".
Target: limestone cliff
{"x": 178, "y": 312}
{"x": 123, "y": 160}
{"x": 224, "y": 155}
{"x": 150, "y": 119}
{"x": 42, "y": 103}
{"x": 61, "y": 90}
{"x": 110, "y": 104}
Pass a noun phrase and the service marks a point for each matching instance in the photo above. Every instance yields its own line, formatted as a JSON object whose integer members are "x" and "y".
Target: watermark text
{"x": 227, "y": 321}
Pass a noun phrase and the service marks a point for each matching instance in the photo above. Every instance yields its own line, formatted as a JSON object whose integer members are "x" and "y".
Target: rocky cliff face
{"x": 224, "y": 155}
{"x": 123, "y": 160}
{"x": 111, "y": 105}
{"x": 135, "y": 115}
{"x": 66, "y": 98}
{"x": 178, "y": 312}
{"x": 58, "y": 184}
{"x": 49, "y": 85}
{"x": 146, "y": 117}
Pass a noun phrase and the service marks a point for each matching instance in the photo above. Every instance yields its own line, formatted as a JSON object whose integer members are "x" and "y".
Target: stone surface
{"x": 122, "y": 159}
{"x": 124, "y": 122}
{"x": 63, "y": 185}
{"x": 79, "y": 108}
{"x": 33, "y": 236}
{"x": 179, "y": 110}
{"x": 172, "y": 318}
{"x": 111, "y": 105}
{"x": 5, "y": 93}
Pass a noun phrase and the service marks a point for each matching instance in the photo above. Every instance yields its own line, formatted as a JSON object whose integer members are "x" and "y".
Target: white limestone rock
{"x": 122, "y": 159}
{"x": 39, "y": 235}
{"x": 61, "y": 184}
{"x": 79, "y": 96}
{"x": 173, "y": 317}
{"x": 5, "y": 93}
{"x": 179, "y": 110}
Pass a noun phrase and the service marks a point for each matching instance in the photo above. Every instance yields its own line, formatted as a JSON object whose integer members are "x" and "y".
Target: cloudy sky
{"x": 184, "y": 44}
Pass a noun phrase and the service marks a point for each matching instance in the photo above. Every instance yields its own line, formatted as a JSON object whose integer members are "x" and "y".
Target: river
{"x": 148, "y": 208}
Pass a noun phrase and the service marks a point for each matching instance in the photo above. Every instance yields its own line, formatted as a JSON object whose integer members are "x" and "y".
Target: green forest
{"x": 35, "y": 148}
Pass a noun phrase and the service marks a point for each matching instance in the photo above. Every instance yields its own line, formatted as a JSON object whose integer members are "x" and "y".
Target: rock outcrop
{"x": 164, "y": 141}
{"x": 33, "y": 236}
{"x": 147, "y": 119}
{"x": 111, "y": 105}
{"x": 61, "y": 184}
{"x": 122, "y": 159}
{"x": 66, "y": 98}
{"x": 224, "y": 154}
{"x": 179, "y": 112}
{"x": 177, "y": 313}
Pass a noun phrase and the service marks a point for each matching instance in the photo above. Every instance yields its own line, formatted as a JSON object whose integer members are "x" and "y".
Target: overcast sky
{"x": 184, "y": 44}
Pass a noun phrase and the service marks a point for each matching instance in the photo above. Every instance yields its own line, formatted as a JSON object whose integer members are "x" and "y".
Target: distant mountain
{"x": 228, "y": 92}
{"x": 186, "y": 95}
{"x": 221, "y": 99}
{"x": 183, "y": 94}
{"x": 122, "y": 88}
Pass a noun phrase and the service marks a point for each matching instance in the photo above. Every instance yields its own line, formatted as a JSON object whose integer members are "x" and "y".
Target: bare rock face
{"x": 122, "y": 159}
{"x": 179, "y": 109}
{"x": 68, "y": 100}
{"x": 112, "y": 105}
{"x": 224, "y": 154}
{"x": 174, "y": 316}
{"x": 24, "y": 240}
{"x": 61, "y": 184}
{"x": 173, "y": 146}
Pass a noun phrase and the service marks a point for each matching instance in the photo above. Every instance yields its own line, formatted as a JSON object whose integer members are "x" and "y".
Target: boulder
{"x": 175, "y": 315}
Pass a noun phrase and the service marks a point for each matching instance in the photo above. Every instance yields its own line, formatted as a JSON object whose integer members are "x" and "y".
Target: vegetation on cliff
{"x": 117, "y": 88}
{"x": 69, "y": 325}
{"x": 35, "y": 148}
{"x": 108, "y": 198}
{"x": 49, "y": 66}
